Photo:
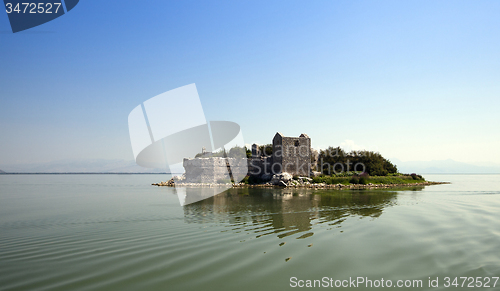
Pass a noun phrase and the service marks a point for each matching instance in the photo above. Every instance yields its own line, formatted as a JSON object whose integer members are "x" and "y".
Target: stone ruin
{"x": 290, "y": 155}
{"x": 214, "y": 170}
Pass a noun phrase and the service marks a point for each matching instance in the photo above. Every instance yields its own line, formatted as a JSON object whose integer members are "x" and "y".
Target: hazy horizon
{"x": 129, "y": 166}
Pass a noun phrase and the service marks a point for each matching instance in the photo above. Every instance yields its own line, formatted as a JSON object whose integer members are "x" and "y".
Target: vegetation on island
{"x": 266, "y": 149}
{"x": 358, "y": 167}
{"x": 347, "y": 168}
{"x": 336, "y": 166}
{"x": 336, "y": 160}
{"x": 350, "y": 178}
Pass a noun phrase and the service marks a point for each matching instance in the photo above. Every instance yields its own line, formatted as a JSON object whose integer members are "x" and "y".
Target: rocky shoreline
{"x": 172, "y": 183}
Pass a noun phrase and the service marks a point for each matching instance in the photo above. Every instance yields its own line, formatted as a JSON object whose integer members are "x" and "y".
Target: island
{"x": 291, "y": 162}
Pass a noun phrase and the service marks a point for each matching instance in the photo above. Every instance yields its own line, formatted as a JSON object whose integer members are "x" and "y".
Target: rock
{"x": 305, "y": 179}
{"x": 282, "y": 184}
{"x": 283, "y": 177}
{"x": 315, "y": 174}
{"x": 266, "y": 177}
{"x": 170, "y": 183}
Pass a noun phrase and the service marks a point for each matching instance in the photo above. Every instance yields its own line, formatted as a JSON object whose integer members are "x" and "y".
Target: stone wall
{"x": 211, "y": 170}
{"x": 238, "y": 167}
{"x": 259, "y": 165}
{"x": 293, "y": 153}
{"x": 290, "y": 154}
{"x": 205, "y": 170}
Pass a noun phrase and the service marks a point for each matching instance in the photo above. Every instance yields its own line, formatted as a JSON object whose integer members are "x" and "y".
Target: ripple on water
{"x": 245, "y": 239}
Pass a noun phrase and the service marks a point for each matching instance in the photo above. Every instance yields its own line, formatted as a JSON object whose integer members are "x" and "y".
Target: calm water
{"x": 116, "y": 232}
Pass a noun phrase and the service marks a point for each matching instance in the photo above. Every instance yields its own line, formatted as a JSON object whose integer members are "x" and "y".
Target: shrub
{"x": 367, "y": 161}
{"x": 363, "y": 180}
{"x": 266, "y": 149}
{"x": 394, "y": 174}
{"x": 364, "y": 175}
{"x": 344, "y": 174}
{"x": 354, "y": 180}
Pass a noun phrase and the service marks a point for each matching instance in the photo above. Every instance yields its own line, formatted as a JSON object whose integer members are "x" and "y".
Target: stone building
{"x": 293, "y": 154}
{"x": 214, "y": 169}
{"x": 206, "y": 170}
{"x": 290, "y": 154}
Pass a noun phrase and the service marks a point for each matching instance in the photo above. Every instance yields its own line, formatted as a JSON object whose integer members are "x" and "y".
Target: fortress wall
{"x": 205, "y": 170}
{"x": 239, "y": 168}
{"x": 290, "y": 154}
{"x": 210, "y": 170}
{"x": 257, "y": 166}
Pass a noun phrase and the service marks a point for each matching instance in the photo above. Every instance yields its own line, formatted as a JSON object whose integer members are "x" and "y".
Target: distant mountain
{"x": 444, "y": 167}
{"x": 85, "y": 166}
{"x": 2, "y": 172}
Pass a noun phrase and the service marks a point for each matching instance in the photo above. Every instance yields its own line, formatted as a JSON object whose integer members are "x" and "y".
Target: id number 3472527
{"x": 32, "y": 7}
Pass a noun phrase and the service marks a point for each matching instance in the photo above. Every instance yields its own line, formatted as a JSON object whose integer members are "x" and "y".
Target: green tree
{"x": 266, "y": 149}
{"x": 333, "y": 160}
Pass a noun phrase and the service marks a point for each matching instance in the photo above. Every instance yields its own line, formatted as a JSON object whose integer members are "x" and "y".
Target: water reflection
{"x": 285, "y": 212}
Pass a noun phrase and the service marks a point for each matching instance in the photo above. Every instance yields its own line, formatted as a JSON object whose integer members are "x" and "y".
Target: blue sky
{"x": 414, "y": 80}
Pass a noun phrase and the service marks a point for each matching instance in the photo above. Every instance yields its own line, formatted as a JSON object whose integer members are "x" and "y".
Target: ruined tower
{"x": 291, "y": 155}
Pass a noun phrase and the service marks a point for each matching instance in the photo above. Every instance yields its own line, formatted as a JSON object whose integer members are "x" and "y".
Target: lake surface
{"x": 117, "y": 232}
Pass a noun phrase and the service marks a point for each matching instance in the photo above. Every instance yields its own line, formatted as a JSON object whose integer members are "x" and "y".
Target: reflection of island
{"x": 287, "y": 211}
